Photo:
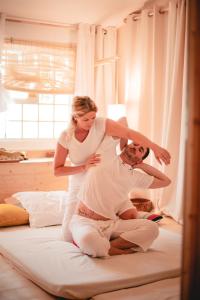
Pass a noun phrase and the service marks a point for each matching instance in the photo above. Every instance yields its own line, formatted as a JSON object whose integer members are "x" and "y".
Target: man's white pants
{"x": 93, "y": 237}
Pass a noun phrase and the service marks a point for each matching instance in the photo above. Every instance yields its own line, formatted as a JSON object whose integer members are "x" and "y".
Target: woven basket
{"x": 142, "y": 204}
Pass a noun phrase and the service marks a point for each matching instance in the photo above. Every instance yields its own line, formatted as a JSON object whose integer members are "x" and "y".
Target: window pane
{"x": 30, "y": 112}
{"x": 30, "y": 130}
{"x": 62, "y": 113}
{"x": 13, "y": 129}
{"x": 45, "y": 130}
{"x": 45, "y": 112}
{"x": 15, "y": 95}
{"x": 46, "y": 99}
{"x": 15, "y": 112}
{"x": 59, "y": 127}
{"x": 63, "y": 99}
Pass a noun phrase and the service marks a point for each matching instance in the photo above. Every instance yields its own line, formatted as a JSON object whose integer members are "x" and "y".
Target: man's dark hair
{"x": 146, "y": 154}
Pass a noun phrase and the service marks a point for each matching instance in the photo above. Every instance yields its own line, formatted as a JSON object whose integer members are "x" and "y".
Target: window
{"x": 44, "y": 119}
{"x": 39, "y": 79}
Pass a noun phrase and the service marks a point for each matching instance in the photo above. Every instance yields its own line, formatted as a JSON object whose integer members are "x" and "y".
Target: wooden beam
{"x": 190, "y": 289}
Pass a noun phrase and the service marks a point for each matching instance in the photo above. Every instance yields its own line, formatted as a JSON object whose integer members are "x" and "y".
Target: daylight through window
{"x": 39, "y": 83}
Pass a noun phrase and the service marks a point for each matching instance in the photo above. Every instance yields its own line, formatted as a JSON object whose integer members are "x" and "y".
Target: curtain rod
{"x": 39, "y": 22}
{"x": 136, "y": 14}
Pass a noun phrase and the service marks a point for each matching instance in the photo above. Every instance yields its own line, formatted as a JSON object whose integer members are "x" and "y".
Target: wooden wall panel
{"x": 31, "y": 175}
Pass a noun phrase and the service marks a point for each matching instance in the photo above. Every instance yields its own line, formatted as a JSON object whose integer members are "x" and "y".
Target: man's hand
{"x": 161, "y": 154}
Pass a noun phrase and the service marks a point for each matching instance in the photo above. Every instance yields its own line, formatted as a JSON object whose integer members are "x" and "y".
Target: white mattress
{"x": 60, "y": 269}
{"x": 14, "y": 286}
{"x": 160, "y": 290}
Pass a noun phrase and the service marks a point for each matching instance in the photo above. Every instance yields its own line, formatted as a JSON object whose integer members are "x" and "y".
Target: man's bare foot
{"x": 116, "y": 251}
{"x": 122, "y": 244}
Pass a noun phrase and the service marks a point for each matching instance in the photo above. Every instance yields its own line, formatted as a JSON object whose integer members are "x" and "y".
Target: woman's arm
{"x": 59, "y": 162}
{"x": 160, "y": 179}
{"x": 115, "y": 129}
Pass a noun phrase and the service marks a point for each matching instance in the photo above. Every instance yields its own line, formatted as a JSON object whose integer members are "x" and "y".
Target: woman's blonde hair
{"x": 81, "y": 105}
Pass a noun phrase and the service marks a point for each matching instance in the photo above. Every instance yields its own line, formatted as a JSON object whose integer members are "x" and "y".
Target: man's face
{"x": 134, "y": 153}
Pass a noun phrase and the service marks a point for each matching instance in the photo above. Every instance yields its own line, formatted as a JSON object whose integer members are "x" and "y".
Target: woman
{"x": 80, "y": 143}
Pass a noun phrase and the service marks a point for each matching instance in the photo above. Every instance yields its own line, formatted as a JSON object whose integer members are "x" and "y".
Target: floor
{"x": 171, "y": 225}
{"x": 13, "y": 286}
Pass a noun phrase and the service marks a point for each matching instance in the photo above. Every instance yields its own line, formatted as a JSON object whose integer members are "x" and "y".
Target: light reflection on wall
{"x": 116, "y": 111}
{"x": 132, "y": 95}
{"x": 133, "y": 85}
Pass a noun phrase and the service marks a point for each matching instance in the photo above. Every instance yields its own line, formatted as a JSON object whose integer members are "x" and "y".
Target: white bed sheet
{"x": 60, "y": 269}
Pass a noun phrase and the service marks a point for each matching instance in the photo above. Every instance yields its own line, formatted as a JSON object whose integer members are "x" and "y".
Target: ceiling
{"x": 105, "y": 12}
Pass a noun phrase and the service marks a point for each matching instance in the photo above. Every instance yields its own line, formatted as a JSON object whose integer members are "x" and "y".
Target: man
{"x": 105, "y": 220}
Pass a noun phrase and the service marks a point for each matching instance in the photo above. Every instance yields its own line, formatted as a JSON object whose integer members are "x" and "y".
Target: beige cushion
{"x": 11, "y": 215}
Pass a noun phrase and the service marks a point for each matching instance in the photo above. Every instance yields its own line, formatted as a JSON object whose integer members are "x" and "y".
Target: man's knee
{"x": 94, "y": 245}
{"x": 152, "y": 228}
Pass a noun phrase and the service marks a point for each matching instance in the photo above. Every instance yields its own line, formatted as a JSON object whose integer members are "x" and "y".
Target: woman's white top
{"x": 80, "y": 151}
{"x": 106, "y": 186}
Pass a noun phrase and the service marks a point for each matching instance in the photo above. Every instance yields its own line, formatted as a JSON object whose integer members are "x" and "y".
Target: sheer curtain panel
{"x": 153, "y": 64}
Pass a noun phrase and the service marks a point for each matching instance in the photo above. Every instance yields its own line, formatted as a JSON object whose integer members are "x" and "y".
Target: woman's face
{"x": 86, "y": 121}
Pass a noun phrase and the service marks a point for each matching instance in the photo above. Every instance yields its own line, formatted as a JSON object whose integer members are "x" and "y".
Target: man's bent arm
{"x": 160, "y": 179}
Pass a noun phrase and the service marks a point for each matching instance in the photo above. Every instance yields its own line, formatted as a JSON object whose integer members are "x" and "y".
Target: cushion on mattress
{"x": 11, "y": 215}
{"x": 44, "y": 208}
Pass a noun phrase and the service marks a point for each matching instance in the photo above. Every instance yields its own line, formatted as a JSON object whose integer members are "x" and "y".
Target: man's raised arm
{"x": 160, "y": 179}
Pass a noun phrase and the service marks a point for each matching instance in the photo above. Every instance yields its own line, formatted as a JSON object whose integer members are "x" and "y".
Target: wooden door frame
{"x": 190, "y": 282}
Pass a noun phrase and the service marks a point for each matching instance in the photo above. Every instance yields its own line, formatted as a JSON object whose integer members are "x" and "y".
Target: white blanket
{"x": 60, "y": 268}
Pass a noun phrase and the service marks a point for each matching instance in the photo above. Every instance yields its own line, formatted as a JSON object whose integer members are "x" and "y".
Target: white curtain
{"x": 105, "y": 73}
{"x": 99, "y": 72}
{"x": 95, "y": 65}
{"x": 2, "y": 32}
{"x": 85, "y": 58}
{"x": 153, "y": 60}
{"x": 110, "y": 46}
{"x": 3, "y": 94}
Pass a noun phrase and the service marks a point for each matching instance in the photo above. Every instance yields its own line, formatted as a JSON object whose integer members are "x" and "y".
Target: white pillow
{"x": 44, "y": 208}
{"x": 12, "y": 200}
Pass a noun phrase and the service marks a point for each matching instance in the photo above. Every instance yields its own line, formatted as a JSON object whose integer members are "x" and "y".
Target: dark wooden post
{"x": 190, "y": 285}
